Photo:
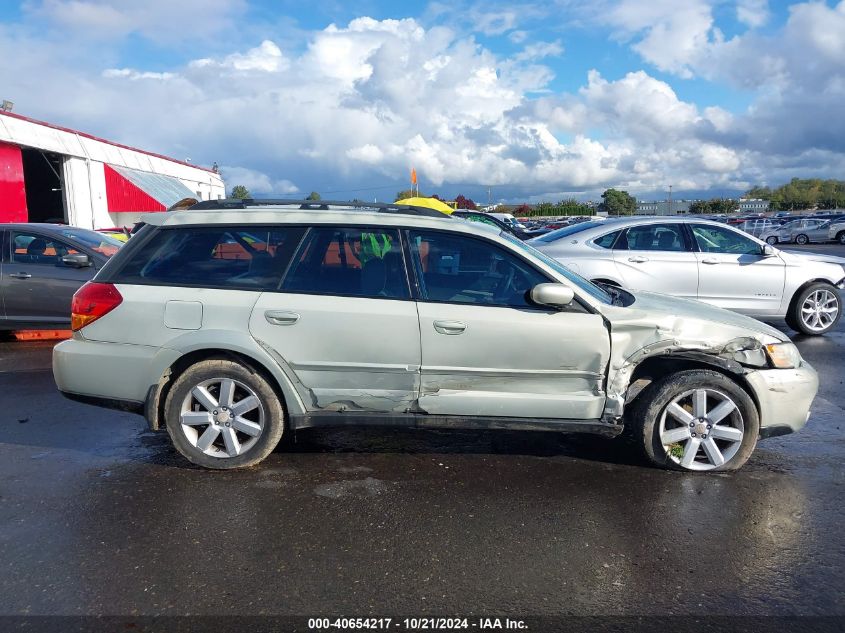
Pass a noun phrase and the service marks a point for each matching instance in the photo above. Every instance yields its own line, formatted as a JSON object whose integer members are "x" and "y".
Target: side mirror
{"x": 768, "y": 251}
{"x": 77, "y": 260}
{"x": 554, "y": 295}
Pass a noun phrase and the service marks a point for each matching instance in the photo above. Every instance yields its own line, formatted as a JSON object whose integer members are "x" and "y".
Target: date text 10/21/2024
{"x": 423, "y": 623}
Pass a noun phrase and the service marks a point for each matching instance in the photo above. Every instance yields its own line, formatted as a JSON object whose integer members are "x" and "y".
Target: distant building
{"x": 753, "y": 205}
{"x": 663, "y": 207}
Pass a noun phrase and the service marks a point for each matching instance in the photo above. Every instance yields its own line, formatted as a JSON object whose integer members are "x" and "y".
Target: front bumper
{"x": 784, "y": 397}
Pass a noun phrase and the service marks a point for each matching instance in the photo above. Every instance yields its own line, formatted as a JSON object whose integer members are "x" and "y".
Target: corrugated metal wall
{"x": 12, "y": 190}
{"x": 124, "y": 196}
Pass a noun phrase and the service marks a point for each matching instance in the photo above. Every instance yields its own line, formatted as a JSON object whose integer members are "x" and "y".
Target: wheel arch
{"x": 818, "y": 280}
{"x": 654, "y": 367}
{"x": 257, "y": 360}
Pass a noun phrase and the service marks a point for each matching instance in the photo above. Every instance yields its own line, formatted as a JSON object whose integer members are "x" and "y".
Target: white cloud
{"x": 266, "y": 57}
{"x": 754, "y": 13}
{"x": 255, "y": 181}
{"x": 539, "y": 50}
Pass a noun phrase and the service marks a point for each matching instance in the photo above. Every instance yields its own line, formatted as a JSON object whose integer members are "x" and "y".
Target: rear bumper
{"x": 98, "y": 373}
{"x": 784, "y": 396}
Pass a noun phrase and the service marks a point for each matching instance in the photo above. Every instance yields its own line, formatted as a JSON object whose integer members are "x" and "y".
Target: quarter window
{"x": 715, "y": 239}
{"x": 224, "y": 257}
{"x": 357, "y": 262}
{"x": 458, "y": 269}
{"x": 606, "y": 241}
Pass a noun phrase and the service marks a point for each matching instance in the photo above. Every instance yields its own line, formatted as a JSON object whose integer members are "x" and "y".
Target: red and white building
{"x": 54, "y": 174}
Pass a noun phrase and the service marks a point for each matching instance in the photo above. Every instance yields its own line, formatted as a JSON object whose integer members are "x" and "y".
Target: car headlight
{"x": 783, "y": 355}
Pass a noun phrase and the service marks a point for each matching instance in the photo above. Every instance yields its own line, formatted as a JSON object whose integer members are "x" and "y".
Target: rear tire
{"x": 677, "y": 428}
{"x": 817, "y": 299}
{"x": 222, "y": 414}
{"x": 771, "y": 240}
{"x": 801, "y": 239}
{"x": 840, "y": 237}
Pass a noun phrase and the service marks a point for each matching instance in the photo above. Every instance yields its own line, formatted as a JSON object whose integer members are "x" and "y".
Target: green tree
{"x": 240, "y": 192}
{"x": 408, "y": 193}
{"x": 313, "y": 196}
{"x": 616, "y": 202}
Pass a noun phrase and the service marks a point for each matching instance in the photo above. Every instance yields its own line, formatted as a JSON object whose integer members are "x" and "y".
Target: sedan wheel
{"x": 801, "y": 239}
{"x": 772, "y": 239}
{"x": 701, "y": 429}
{"x": 816, "y": 310}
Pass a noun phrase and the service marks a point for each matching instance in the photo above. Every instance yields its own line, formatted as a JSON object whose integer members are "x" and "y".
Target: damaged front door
{"x": 344, "y": 322}
{"x": 486, "y": 350}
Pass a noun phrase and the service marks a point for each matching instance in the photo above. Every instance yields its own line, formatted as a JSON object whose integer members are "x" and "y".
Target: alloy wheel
{"x": 819, "y": 310}
{"x": 222, "y": 417}
{"x": 771, "y": 240}
{"x": 801, "y": 239}
{"x": 701, "y": 429}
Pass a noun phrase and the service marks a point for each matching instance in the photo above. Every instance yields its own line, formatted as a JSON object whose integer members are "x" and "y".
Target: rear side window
{"x": 355, "y": 262}
{"x": 214, "y": 257}
{"x": 655, "y": 237}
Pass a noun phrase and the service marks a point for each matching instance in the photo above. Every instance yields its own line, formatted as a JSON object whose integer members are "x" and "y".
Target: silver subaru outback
{"x": 236, "y": 322}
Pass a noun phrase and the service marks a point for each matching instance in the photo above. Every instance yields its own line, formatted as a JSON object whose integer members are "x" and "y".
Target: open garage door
{"x": 43, "y": 183}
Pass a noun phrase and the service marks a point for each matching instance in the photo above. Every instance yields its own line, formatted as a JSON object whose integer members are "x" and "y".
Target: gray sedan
{"x": 42, "y": 265}
{"x": 798, "y": 231}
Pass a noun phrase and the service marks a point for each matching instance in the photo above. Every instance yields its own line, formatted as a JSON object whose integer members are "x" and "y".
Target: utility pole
{"x": 670, "y": 199}
{"x": 489, "y": 198}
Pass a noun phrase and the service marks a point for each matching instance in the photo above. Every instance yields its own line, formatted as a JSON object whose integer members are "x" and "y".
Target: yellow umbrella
{"x": 428, "y": 203}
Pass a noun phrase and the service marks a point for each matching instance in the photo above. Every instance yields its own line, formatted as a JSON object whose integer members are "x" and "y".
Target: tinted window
{"x": 606, "y": 241}
{"x": 350, "y": 261}
{"x": 460, "y": 269}
{"x": 103, "y": 244}
{"x": 223, "y": 257}
{"x": 716, "y": 239}
{"x": 32, "y": 248}
{"x": 656, "y": 237}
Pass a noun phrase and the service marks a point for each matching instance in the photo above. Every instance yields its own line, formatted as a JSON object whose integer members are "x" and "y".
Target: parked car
{"x": 759, "y": 226}
{"x": 372, "y": 316}
{"x": 42, "y": 265}
{"x": 708, "y": 261}
{"x": 490, "y": 219}
{"x": 836, "y": 231}
{"x": 801, "y": 231}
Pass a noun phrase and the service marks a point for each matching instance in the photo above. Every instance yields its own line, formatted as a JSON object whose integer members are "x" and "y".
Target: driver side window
{"x": 716, "y": 239}
{"x": 458, "y": 269}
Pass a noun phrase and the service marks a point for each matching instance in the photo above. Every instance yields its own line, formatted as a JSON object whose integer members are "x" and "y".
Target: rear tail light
{"x": 92, "y": 301}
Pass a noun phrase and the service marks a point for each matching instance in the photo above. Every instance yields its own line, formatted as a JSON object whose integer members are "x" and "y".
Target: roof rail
{"x": 316, "y": 205}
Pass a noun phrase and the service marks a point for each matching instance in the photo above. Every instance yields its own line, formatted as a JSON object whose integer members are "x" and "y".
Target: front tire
{"x": 801, "y": 239}
{"x": 695, "y": 420}
{"x": 840, "y": 237}
{"x": 815, "y": 310}
{"x": 772, "y": 240}
{"x": 222, "y": 414}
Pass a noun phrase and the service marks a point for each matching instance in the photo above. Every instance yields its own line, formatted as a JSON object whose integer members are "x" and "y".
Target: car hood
{"x": 797, "y": 257}
{"x": 688, "y": 321}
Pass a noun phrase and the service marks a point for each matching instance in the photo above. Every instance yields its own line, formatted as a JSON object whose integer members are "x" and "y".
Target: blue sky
{"x": 533, "y": 100}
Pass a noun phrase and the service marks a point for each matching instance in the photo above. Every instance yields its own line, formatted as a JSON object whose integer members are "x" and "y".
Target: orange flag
{"x": 413, "y": 176}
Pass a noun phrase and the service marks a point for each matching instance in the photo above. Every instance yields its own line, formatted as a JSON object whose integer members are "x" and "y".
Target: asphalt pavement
{"x": 99, "y": 516}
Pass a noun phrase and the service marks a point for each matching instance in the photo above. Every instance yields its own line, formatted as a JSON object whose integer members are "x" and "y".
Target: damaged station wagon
{"x": 237, "y": 321}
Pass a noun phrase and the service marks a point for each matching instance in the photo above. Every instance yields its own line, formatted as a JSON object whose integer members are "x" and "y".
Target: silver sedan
{"x": 798, "y": 231}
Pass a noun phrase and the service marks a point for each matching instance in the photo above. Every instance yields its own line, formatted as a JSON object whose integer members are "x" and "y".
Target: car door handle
{"x": 20, "y": 275}
{"x": 638, "y": 259}
{"x": 710, "y": 260}
{"x": 277, "y": 317}
{"x": 450, "y": 327}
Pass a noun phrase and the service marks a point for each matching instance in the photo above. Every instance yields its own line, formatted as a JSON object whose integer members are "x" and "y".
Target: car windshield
{"x": 567, "y": 230}
{"x": 587, "y": 286}
{"x": 103, "y": 244}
